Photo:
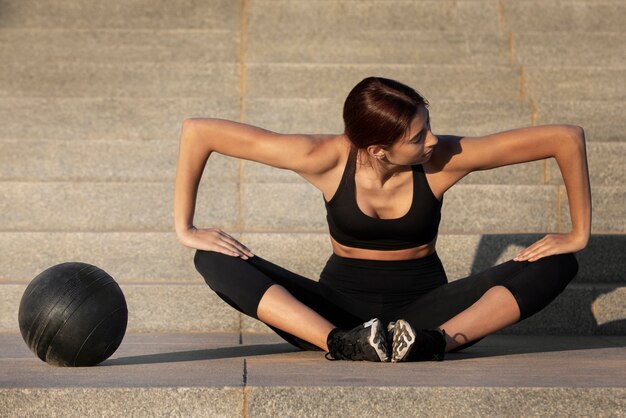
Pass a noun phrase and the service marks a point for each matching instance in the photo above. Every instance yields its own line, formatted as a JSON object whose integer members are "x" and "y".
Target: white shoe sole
{"x": 403, "y": 340}
{"x": 377, "y": 339}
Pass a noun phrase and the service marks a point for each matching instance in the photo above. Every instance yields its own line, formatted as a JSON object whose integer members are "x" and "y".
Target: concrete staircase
{"x": 92, "y": 96}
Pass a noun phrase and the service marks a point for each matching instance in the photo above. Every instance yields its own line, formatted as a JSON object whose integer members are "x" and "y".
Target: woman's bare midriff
{"x": 395, "y": 255}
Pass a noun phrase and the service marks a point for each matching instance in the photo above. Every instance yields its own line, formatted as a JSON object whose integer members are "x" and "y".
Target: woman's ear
{"x": 376, "y": 151}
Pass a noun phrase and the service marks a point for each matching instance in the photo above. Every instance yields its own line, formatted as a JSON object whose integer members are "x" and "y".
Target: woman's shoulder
{"x": 330, "y": 155}
{"x": 331, "y": 150}
{"x": 447, "y": 147}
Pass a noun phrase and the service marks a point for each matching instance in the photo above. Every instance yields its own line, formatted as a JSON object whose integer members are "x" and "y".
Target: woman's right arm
{"x": 201, "y": 137}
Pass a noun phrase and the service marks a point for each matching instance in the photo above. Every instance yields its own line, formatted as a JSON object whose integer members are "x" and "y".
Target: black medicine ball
{"x": 73, "y": 314}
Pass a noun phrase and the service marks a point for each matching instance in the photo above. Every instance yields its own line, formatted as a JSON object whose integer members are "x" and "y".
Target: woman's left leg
{"x": 470, "y": 308}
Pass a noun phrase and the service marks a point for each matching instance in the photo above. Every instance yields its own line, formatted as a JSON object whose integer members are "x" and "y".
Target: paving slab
{"x": 149, "y": 375}
{"x": 142, "y": 360}
{"x": 256, "y": 375}
{"x": 499, "y": 360}
{"x": 216, "y": 359}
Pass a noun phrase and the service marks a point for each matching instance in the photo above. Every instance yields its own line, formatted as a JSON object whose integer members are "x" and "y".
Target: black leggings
{"x": 351, "y": 291}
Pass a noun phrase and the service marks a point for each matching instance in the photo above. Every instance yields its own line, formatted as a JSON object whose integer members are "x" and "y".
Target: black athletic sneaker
{"x": 366, "y": 342}
{"x": 410, "y": 345}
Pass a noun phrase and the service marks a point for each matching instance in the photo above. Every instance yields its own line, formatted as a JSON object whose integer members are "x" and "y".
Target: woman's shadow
{"x": 601, "y": 272}
{"x": 219, "y": 353}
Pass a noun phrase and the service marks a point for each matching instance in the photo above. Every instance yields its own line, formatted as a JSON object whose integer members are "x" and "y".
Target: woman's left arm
{"x": 565, "y": 143}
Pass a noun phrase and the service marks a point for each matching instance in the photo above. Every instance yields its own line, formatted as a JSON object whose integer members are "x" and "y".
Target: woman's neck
{"x": 377, "y": 170}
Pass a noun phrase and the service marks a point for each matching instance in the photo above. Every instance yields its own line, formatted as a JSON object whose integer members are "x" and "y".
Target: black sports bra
{"x": 349, "y": 226}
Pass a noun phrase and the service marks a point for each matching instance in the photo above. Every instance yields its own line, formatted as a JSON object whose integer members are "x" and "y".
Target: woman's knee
{"x": 213, "y": 265}
{"x": 564, "y": 266}
{"x": 204, "y": 258}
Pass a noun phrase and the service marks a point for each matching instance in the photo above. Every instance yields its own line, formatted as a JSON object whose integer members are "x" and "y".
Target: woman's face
{"x": 416, "y": 147}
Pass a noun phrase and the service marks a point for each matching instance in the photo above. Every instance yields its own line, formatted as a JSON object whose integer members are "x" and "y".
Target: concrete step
{"x": 447, "y": 116}
{"x": 149, "y": 257}
{"x": 575, "y": 83}
{"x": 57, "y": 118}
{"x": 467, "y": 208}
{"x": 608, "y": 209}
{"x": 269, "y": 44}
{"x": 283, "y": 206}
{"x": 604, "y": 164}
{"x": 142, "y": 14}
{"x": 582, "y": 309}
{"x": 165, "y": 307}
{"x": 172, "y": 79}
{"x": 593, "y": 304}
{"x": 119, "y": 46}
{"x": 111, "y": 206}
{"x": 137, "y": 80}
{"x": 160, "y": 118}
{"x": 436, "y": 82}
{"x": 345, "y": 16}
{"x": 441, "y": 82}
{"x": 110, "y": 161}
{"x": 234, "y": 375}
{"x": 570, "y": 16}
{"x": 601, "y": 119}
{"x": 100, "y": 118}
{"x": 569, "y": 49}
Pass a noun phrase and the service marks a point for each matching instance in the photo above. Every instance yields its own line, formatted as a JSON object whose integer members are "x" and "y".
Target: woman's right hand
{"x": 214, "y": 239}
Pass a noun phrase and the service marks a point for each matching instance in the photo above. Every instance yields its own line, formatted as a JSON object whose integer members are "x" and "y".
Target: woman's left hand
{"x": 552, "y": 244}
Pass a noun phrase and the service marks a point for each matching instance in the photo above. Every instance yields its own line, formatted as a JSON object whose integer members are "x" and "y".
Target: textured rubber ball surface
{"x": 73, "y": 314}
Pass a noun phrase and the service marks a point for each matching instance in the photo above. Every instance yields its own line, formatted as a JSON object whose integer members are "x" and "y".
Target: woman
{"x": 383, "y": 294}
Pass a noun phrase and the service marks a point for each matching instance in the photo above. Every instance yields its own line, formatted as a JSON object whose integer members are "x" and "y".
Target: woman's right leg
{"x": 281, "y": 310}
{"x": 298, "y": 309}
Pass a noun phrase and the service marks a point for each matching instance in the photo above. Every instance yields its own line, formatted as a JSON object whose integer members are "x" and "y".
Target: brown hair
{"x": 378, "y": 111}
